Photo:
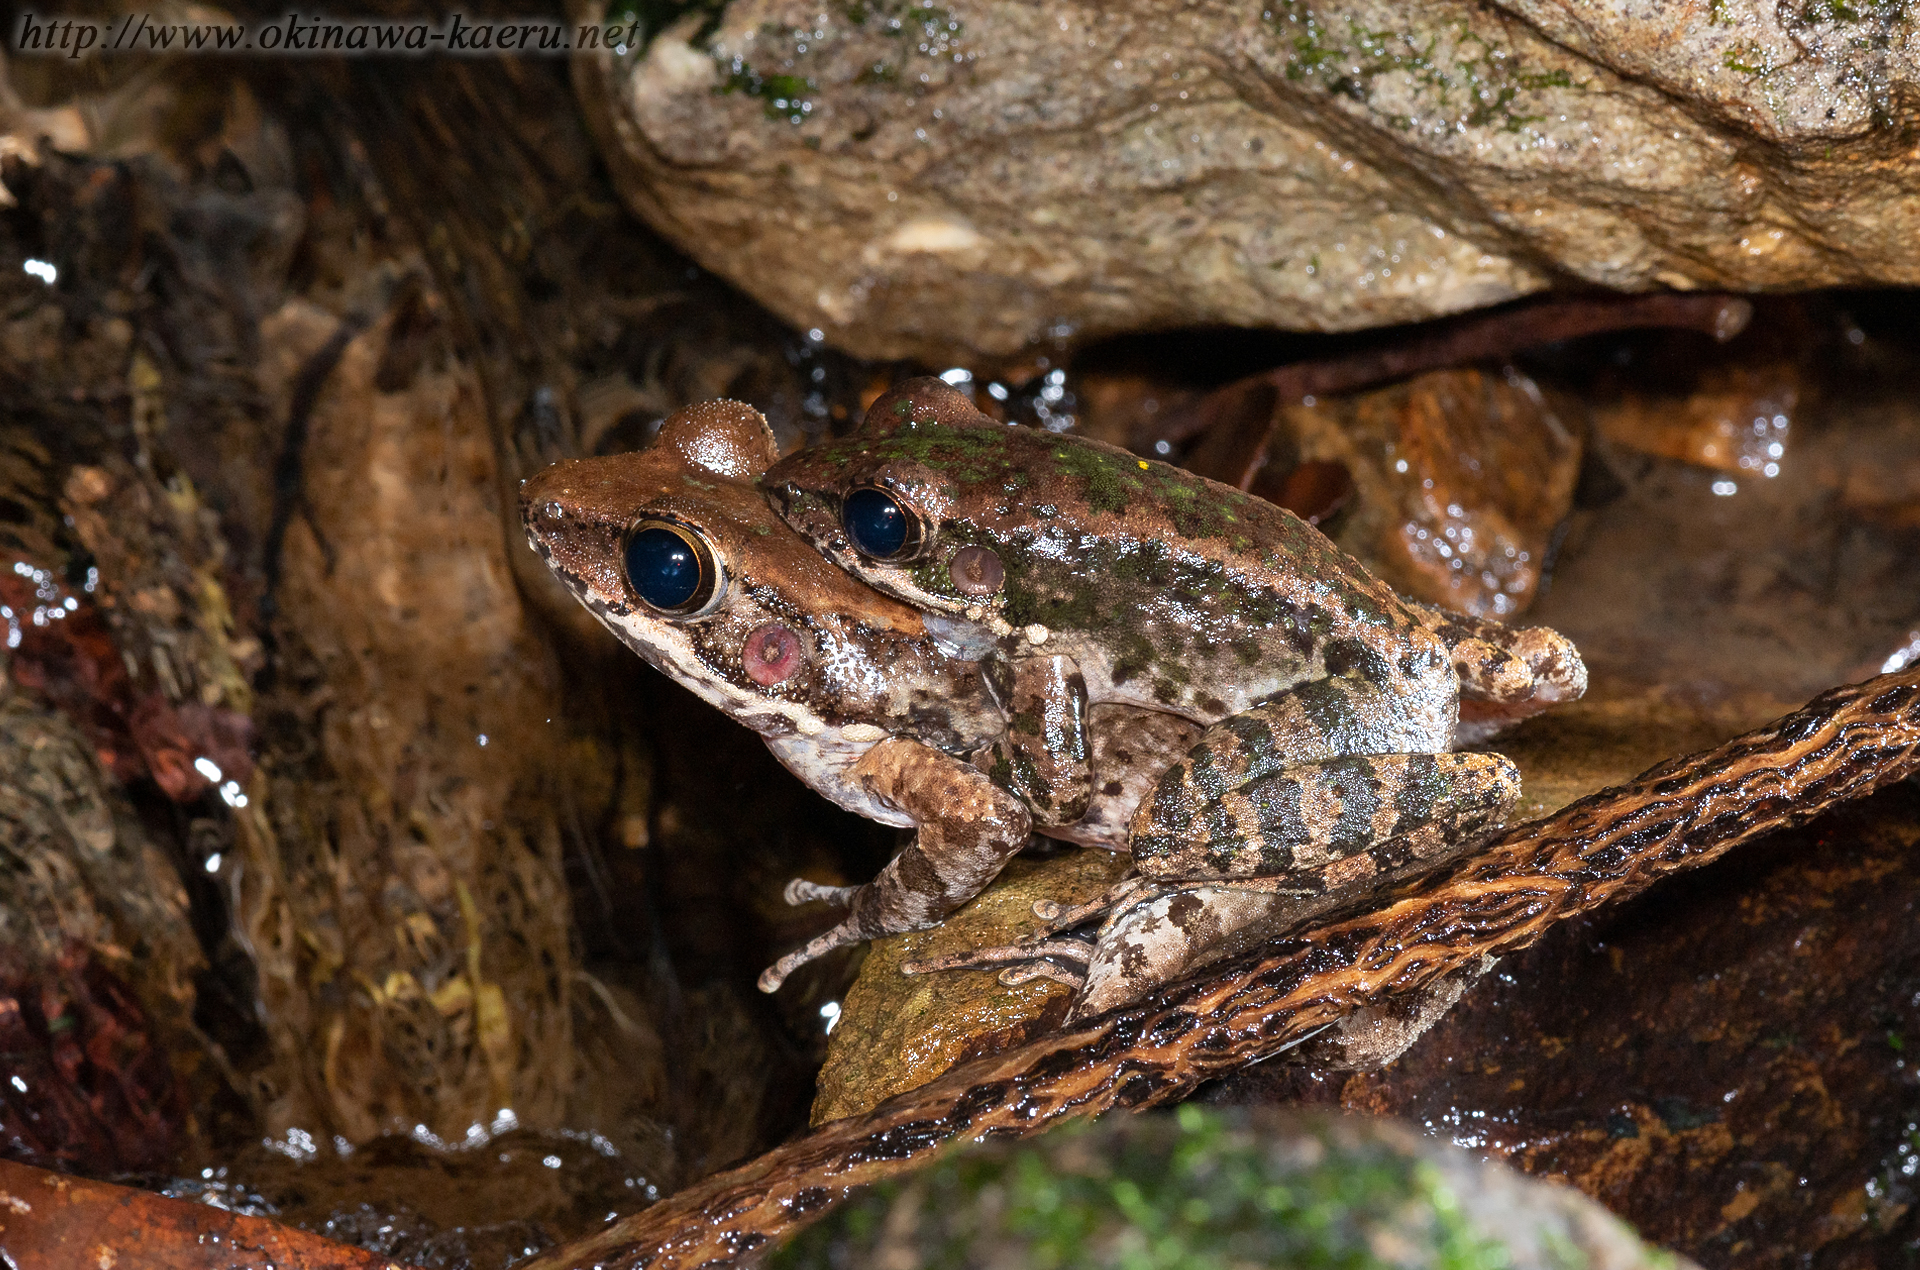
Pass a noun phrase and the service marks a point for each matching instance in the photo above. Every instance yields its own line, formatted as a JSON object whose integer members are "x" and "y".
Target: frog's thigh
{"x": 968, "y": 829}
{"x": 1337, "y": 824}
{"x": 1320, "y": 719}
{"x": 1044, "y": 757}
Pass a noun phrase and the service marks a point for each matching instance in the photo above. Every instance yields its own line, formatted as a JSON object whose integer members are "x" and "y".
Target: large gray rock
{"x": 969, "y": 181}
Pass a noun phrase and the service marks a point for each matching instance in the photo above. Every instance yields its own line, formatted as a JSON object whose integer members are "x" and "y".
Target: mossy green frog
{"x": 1331, "y": 702}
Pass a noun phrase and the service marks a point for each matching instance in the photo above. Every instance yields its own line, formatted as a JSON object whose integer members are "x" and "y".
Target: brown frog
{"x": 677, "y": 553}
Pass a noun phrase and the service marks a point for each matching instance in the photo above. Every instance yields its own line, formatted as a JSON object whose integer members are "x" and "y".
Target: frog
{"x": 1331, "y": 704}
{"x": 874, "y": 705}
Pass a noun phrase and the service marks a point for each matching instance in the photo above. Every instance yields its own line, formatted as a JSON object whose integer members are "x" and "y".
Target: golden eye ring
{"x": 672, "y": 568}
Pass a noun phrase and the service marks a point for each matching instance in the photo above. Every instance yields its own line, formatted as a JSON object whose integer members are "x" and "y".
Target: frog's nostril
{"x": 773, "y": 654}
{"x": 976, "y": 571}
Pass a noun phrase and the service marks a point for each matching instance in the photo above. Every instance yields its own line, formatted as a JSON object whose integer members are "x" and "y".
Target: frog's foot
{"x": 1074, "y": 950}
{"x": 1339, "y": 824}
{"x": 1169, "y": 930}
{"x": 847, "y": 932}
{"x": 1061, "y": 960}
{"x": 800, "y": 891}
{"x": 1059, "y": 917}
{"x": 1505, "y": 674}
{"x": 1559, "y": 674}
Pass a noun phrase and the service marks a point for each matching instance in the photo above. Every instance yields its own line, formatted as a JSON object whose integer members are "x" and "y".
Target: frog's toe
{"x": 1559, "y": 673}
{"x": 1014, "y": 976}
{"x": 800, "y": 891}
{"x": 1059, "y": 917}
{"x": 1061, "y": 960}
{"x": 850, "y": 931}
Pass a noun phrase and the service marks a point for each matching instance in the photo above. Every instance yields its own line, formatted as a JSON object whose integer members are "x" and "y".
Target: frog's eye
{"x": 878, "y": 526}
{"x": 672, "y": 569}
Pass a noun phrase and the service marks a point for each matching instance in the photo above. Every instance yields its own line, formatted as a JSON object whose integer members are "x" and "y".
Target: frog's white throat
{"x": 820, "y": 753}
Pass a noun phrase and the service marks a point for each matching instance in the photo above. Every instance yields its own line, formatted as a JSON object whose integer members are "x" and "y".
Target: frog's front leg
{"x": 1044, "y": 756}
{"x": 967, "y": 830}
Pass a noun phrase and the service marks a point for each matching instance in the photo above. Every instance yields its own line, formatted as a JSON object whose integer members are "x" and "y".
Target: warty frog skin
{"x": 1331, "y": 702}
{"x": 675, "y": 551}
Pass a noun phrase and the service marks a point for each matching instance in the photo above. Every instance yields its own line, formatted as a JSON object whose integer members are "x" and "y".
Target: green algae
{"x": 1467, "y": 80}
{"x": 1195, "y": 1189}
{"x": 919, "y": 30}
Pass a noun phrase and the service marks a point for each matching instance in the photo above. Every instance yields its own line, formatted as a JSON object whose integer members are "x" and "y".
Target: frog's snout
{"x": 542, "y": 509}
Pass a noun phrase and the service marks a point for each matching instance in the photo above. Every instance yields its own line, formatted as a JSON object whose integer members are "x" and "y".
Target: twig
{"x": 1607, "y": 847}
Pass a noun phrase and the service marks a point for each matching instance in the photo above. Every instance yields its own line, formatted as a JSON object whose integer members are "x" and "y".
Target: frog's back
{"x": 1172, "y": 591}
{"x": 1178, "y": 591}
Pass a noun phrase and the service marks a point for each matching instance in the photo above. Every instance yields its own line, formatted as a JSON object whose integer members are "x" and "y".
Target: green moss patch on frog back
{"x": 968, "y": 456}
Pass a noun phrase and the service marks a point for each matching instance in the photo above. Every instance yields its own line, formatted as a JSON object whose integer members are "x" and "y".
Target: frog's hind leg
{"x": 1316, "y": 720}
{"x": 1337, "y": 824}
{"x": 1166, "y": 932}
{"x": 968, "y": 829}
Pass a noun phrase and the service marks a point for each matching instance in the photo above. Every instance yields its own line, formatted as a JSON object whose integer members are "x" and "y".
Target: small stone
{"x": 899, "y": 1031}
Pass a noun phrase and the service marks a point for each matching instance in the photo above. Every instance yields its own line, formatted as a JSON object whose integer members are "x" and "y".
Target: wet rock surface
{"x": 495, "y": 1197}
{"x": 66, "y": 1223}
{"x": 898, "y": 1031}
{"x": 1201, "y": 1187}
{"x": 1461, "y": 479}
{"x": 1726, "y": 1062}
{"x": 964, "y": 182}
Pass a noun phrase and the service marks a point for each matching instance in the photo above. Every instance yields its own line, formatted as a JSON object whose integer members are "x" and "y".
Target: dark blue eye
{"x": 669, "y": 568}
{"x": 877, "y": 525}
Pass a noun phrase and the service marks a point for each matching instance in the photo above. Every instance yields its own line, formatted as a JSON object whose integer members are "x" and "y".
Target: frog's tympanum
{"x": 675, "y": 550}
{"x": 1098, "y": 577}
